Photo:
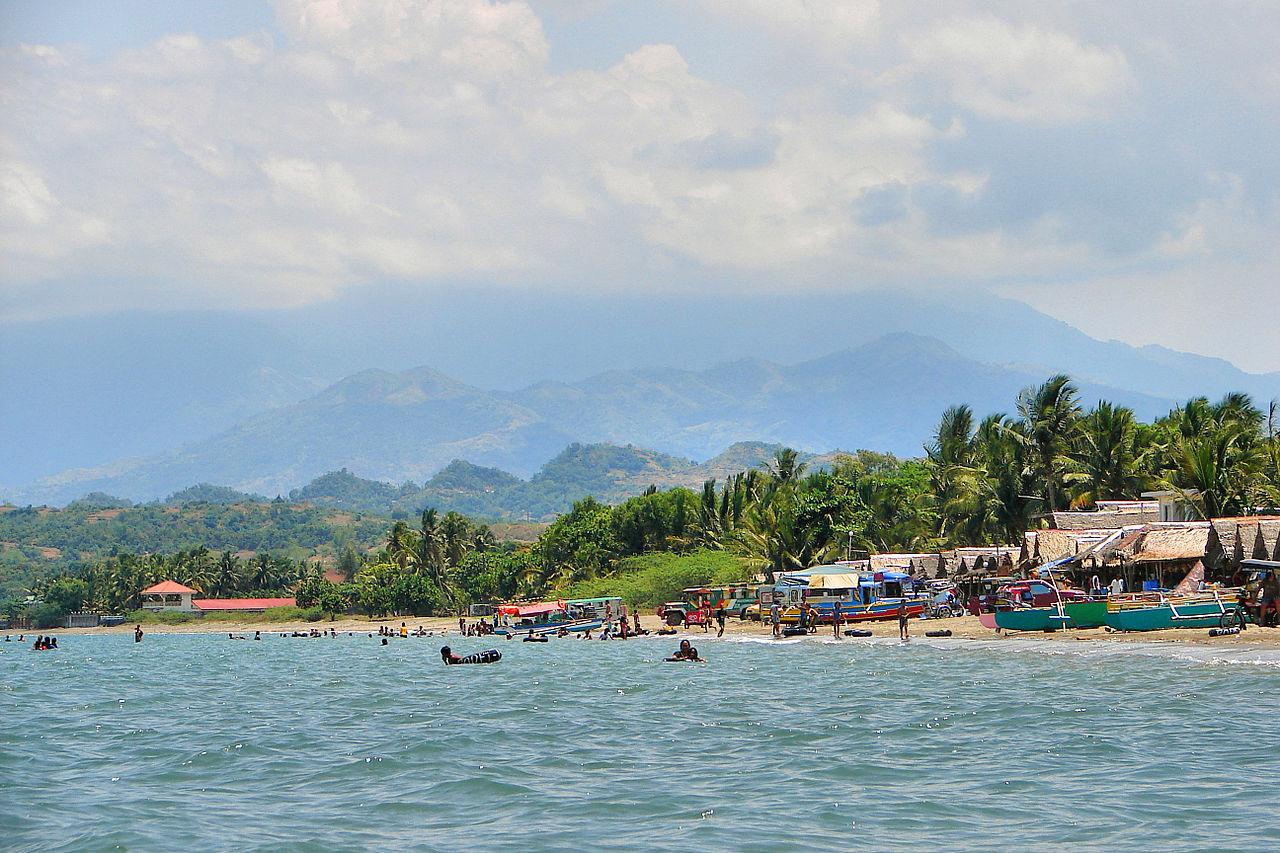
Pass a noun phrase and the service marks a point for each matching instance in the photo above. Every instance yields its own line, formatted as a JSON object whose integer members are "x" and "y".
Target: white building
{"x": 168, "y": 597}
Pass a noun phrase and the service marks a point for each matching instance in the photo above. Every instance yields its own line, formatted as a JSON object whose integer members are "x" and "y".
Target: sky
{"x": 1113, "y": 164}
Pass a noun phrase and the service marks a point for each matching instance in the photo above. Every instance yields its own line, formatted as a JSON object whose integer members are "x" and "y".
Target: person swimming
{"x": 447, "y": 655}
{"x": 685, "y": 652}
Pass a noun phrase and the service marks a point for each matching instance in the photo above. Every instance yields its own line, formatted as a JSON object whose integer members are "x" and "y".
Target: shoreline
{"x": 961, "y": 627}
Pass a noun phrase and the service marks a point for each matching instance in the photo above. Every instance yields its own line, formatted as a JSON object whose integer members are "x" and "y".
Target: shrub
{"x": 293, "y": 614}
{"x": 47, "y": 615}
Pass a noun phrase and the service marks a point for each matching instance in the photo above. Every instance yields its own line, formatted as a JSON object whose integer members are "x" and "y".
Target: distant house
{"x": 168, "y": 597}
{"x": 1174, "y": 506}
{"x": 241, "y": 605}
{"x": 1110, "y": 515}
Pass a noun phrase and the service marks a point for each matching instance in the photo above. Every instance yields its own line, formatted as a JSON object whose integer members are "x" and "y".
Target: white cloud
{"x": 427, "y": 141}
{"x": 1022, "y": 72}
{"x": 832, "y": 27}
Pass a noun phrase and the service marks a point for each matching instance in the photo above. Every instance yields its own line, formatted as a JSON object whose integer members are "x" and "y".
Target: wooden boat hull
{"x": 1162, "y": 617}
{"x": 1080, "y": 614}
{"x": 550, "y": 628}
{"x": 987, "y": 620}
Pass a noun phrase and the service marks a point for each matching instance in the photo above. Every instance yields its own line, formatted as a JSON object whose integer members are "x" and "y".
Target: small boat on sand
{"x": 1217, "y": 608}
{"x": 1069, "y": 614}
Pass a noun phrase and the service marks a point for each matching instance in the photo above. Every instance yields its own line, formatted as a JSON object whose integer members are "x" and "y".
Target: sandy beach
{"x": 963, "y": 627}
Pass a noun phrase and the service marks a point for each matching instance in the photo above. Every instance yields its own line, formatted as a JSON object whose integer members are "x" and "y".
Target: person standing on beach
{"x": 137, "y": 633}
{"x": 903, "y": 632}
{"x": 835, "y": 620}
{"x": 775, "y": 618}
{"x": 720, "y": 620}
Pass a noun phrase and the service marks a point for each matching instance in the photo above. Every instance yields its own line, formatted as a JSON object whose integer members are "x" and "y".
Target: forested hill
{"x": 339, "y": 509}
{"x": 39, "y": 540}
{"x": 395, "y": 427}
{"x": 606, "y": 472}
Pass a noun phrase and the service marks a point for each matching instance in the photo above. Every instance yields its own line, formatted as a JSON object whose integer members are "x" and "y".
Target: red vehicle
{"x": 1038, "y": 593}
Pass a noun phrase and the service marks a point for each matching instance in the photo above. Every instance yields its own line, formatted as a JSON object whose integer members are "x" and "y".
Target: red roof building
{"x": 167, "y": 588}
{"x": 244, "y": 605}
{"x": 167, "y": 595}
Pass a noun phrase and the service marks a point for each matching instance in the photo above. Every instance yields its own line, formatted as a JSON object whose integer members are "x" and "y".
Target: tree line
{"x": 979, "y": 482}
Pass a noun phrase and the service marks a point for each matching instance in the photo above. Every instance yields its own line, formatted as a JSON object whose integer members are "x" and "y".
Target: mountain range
{"x": 141, "y": 406}
{"x": 396, "y": 426}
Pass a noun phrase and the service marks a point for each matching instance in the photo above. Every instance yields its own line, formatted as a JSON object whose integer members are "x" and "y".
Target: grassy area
{"x": 649, "y": 580}
{"x": 274, "y": 614}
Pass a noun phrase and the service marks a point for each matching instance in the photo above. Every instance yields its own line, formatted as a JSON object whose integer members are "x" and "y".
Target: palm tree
{"x": 226, "y": 575}
{"x": 455, "y": 532}
{"x": 1008, "y": 480}
{"x": 1049, "y": 416}
{"x": 1214, "y": 472}
{"x": 955, "y": 482}
{"x": 786, "y": 466}
{"x": 430, "y": 557}
{"x": 1109, "y": 459}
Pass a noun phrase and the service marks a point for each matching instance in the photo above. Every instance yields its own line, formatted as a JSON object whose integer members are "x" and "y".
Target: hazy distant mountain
{"x": 81, "y": 392}
{"x": 884, "y": 395}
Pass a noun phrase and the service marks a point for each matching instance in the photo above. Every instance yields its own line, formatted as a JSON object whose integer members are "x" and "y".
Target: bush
{"x": 47, "y": 616}
{"x": 226, "y": 616}
{"x": 293, "y": 614}
{"x": 651, "y": 579}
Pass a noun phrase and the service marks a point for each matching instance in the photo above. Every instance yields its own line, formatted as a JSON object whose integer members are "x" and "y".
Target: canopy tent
{"x": 530, "y": 609}
{"x": 844, "y": 581}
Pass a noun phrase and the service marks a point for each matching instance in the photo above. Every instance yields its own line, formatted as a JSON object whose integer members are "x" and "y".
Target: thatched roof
{"x": 1245, "y": 537}
{"x": 1053, "y": 545}
{"x": 1104, "y": 520}
{"x": 988, "y": 561}
{"x": 901, "y": 562}
{"x": 1165, "y": 542}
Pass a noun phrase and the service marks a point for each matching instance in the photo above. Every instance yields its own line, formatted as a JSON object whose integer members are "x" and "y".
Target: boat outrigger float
{"x": 1216, "y": 608}
{"x": 547, "y": 617}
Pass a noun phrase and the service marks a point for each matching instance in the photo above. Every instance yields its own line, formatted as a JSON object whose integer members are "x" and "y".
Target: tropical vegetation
{"x": 979, "y": 481}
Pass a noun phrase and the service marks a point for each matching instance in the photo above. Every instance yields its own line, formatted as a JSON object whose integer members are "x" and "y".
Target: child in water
{"x": 685, "y": 652}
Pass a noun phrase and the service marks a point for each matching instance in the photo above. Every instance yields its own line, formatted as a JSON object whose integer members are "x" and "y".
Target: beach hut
{"x": 168, "y": 597}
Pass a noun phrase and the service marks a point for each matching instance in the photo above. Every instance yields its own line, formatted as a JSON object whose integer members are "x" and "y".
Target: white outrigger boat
{"x": 545, "y": 618}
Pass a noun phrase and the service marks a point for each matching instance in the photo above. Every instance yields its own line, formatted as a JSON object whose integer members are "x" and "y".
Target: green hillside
{"x": 41, "y": 540}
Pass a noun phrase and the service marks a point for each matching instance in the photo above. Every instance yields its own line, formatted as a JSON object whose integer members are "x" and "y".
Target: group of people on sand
{"x": 809, "y": 620}
{"x": 478, "y": 628}
{"x": 41, "y": 644}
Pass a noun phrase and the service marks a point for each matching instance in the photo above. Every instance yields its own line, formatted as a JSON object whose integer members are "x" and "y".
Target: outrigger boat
{"x": 1216, "y": 608}
{"x": 1065, "y": 614}
{"x": 547, "y": 617}
{"x": 1072, "y": 611}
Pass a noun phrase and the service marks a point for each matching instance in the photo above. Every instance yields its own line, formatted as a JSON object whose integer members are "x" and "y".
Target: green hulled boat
{"x": 1191, "y": 612}
{"x": 1078, "y": 614}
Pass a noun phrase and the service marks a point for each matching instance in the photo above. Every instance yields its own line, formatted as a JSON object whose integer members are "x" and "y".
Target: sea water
{"x": 198, "y": 742}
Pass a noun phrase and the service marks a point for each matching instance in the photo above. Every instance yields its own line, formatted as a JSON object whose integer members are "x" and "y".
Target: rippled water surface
{"x": 191, "y": 742}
